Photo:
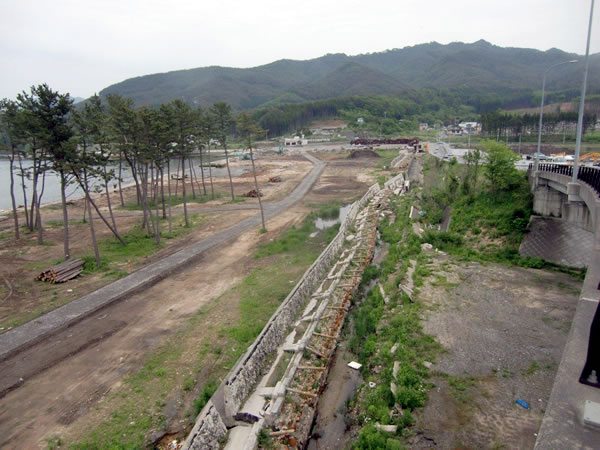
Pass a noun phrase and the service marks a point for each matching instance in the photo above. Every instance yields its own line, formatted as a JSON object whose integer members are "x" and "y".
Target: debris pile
{"x": 276, "y": 179}
{"x": 252, "y": 193}
{"x": 62, "y": 272}
{"x": 405, "y": 141}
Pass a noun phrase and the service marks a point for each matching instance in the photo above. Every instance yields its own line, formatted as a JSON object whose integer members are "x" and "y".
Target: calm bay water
{"x": 52, "y": 184}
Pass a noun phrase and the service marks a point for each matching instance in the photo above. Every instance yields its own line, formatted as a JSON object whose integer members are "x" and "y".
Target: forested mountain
{"x": 492, "y": 74}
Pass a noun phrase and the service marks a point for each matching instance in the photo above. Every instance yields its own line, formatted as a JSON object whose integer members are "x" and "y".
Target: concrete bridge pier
{"x": 572, "y": 418}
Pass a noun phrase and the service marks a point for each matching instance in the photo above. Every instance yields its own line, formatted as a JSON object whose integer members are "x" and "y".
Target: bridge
{"x": 572, "y": 418}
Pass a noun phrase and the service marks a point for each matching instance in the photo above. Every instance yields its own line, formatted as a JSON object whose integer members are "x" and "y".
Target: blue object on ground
{"x": 522, "y": 403}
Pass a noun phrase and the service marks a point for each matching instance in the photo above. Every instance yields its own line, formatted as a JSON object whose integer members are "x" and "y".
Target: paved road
{"x": 31, "y": 332}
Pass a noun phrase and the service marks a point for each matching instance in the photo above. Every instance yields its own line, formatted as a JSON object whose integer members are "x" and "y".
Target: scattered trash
{"x": 386, "y": 299}
{"x": 372, "y": 384}
{"x": 427, "y": 364}
{"x": 313, "y": 234}
{"x": 69, "y": 290}
{"x": 252, "y": 193}
{"x": 414, "y": 213}
{"x": 426, "y": 246}
{"x": 522, "y": 403}
{"x": 394, "y": 348}
{"x": 246, "y": 417}
{"x": 276, "y": 179}
{"x": 386, "y": 428}
{"x": 354, "y": 365}
{"x": 350, "y": 237}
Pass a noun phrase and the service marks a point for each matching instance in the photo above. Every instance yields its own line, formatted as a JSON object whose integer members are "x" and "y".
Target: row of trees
{"x": 44, "y": 128}
{"x": 500, "y": 124}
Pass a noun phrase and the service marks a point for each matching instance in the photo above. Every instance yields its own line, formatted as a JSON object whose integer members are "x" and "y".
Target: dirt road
{"x": 60, "y": 380}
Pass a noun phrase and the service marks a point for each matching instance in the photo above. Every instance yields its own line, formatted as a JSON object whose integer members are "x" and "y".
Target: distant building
{"x": 470, "y": 127}
{"x": 454, "y": 130}
{"x": 423, "y": 126}
{"x": 295, "y": 141}
{"x": 360, "y": 120}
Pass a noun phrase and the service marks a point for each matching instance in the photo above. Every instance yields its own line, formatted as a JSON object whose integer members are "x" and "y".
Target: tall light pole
{"x": 539, "y": 143}
{"x": 582, "y": 100}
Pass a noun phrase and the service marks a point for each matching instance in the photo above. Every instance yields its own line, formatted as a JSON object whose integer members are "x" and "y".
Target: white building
{"x": 470, "y": 127}
{"x": 295, "y": 141}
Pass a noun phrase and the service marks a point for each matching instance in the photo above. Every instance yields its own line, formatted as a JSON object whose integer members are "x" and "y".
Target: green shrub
{"x": 207, "y": 393}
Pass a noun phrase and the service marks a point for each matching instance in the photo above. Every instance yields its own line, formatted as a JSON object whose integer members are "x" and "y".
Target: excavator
{"x": 593, "y": 157}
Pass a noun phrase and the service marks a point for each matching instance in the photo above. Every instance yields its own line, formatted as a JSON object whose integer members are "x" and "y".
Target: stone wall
{"x": 218, "y": 413}
{"x": 209, "y": 429}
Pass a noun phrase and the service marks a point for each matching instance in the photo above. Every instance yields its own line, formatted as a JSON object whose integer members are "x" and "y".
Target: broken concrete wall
{"x": 218, "y": 413}
{"x": 208, "y": 430}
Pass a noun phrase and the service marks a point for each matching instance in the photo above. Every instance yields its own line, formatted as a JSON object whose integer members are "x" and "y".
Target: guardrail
{"x": 589, "y": 175}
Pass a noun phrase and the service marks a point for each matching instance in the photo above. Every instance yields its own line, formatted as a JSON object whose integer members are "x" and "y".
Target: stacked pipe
{"x": 62, "y": 272}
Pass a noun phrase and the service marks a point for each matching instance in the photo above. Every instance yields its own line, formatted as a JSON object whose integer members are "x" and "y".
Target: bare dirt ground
{"x": 23, "y": 299}
{"x": 66, "y": 379}
{"x": 504, "y": 330}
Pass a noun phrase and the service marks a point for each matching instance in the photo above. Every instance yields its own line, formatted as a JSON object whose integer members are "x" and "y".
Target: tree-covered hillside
{"x": 484, "y": 75}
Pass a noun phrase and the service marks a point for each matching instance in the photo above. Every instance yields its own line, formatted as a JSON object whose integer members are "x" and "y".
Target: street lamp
{"x": 582, "y": 101}
{"x": 539, "y": 143}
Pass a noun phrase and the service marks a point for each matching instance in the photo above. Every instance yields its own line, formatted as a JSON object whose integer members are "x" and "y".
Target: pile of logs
{"x": 62, "y": 272}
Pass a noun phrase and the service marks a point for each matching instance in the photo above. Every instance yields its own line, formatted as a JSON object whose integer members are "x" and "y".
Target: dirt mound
{"x": 361, "y": 154}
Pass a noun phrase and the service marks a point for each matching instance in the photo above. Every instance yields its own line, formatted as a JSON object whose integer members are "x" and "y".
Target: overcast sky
{"x": 82, "y": 46}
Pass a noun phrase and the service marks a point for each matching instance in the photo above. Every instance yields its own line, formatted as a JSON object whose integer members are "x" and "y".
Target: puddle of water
{"x": 323, "y": 224}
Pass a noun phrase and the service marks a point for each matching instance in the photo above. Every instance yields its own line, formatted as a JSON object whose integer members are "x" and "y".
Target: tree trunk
{"x": 114, "y": 231}
{"x": 162, "y": 191}
{"x": 91, "y": 219}
{"x": 177, "y": 177}
{"x": 185, "y": 214}
{"x": 120, "y": 174}
{"x": 110, "y": 211}
{"x": 65, "y": 215}
{"x": 202, "y": 173}
{"x": 156, "y": 207}
{"x": 212, "y": 187}
{"x": 169, "y": 192}
{"x": 262, "y": 214}
{"x": 34, "y": 194}
{"x": 25, "y": 210}
{"x": 12, "y": 194}
{"x": 229, "y": 173}
{"x": 38, "y": 219}
{"x": 191, "y": 177}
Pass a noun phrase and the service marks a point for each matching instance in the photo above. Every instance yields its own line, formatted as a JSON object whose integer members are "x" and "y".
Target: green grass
{"x": 461, "y": 388}
{"x": 295, "y": 239}
{"x": 387, "y": 156}
{"x": 533, "y": 368}
{"x": 377, "y": 327}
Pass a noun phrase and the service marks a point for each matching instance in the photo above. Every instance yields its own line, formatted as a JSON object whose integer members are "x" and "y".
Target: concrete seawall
{"x": 214, "y": 419}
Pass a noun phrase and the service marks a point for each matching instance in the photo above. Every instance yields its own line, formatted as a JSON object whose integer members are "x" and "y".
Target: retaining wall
{"x": 211, "y": 424}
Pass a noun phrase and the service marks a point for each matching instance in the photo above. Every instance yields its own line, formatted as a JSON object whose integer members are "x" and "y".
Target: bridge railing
{"x": 589, "y": 175}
